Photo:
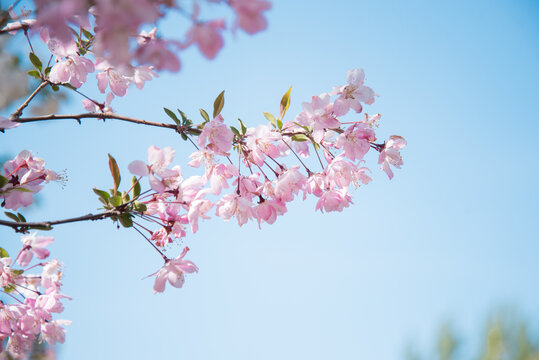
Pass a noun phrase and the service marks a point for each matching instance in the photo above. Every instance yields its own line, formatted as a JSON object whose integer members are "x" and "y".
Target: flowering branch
{"x": 23, "y": 227}
{"x": 103, "y": 116}
{"x": 20, "y": 109}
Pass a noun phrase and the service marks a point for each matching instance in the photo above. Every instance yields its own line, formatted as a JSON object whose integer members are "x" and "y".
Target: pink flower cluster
{"x": 23, "y": 178}
{"x": 270, "y": 182}
{"x": 107, "y": 31}
{"x": 36, "y": 298}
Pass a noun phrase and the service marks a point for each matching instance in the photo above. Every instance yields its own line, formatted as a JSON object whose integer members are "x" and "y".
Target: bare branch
{"x": 79, "y": 117}
{"x": 24, "y": 226}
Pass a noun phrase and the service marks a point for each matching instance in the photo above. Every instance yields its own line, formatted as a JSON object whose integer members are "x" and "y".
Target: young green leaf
{"x": 3, "y": 181}
{"x": 3, "y": 253}
{"x": 34, "y": 74}
{"x": 172, "y": 116}
{"x": 126, "y": 220}
{"x": 105, "y": 195}
{"x": 243, "y": 127}
{"x": 35, "y": 61}
{"x": 235, "y": 131}
{"x": 12, "y": 216}
{"x": 204, "y": 115}
{"x": 21, "y": 218}
{"x": 300, "y": 137}
{"x": 87, "y": 34}
{"x": 116, "y": 200}
{"x": 285, "y": 103}
{"x": 271, "y": 119}
{"x": 136, "y": 187}
{"x": 218, "y": 104}
{"x": 115, "y": 172}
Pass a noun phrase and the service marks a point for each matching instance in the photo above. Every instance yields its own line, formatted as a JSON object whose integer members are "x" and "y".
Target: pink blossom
{"x": 72, "y": 70}
{"x": 219, "y": 176}
{"x": 217, "y": 134}
{"x": 318, "y": 114}
{"x": 233, "y": 205}
{"x": 198, "y": 208}
{"x": 33, "y": 245}
{"x": 116, "y": 78}
{"x": 353, "y": 94}
{"x": 268, "y": 210}
{"x": 53, "y": 332}
{"x": 28, "y": 172}
{"x": 91, "y": 106}
{"x": 154, "y": 51}
{"x": 249, "y": 14}
{"x": 334, "y": 200}
{"x": 6, "y": 123}
{"x": 340, "y": 173}
{"x": 355, "y": 141}
{"x": 289, "y": 183}
{"x": 173, "y": 271}
{"x": 391, "y": 155}
{"x": 207, "y": 36}
{"x": 260, "y": 141}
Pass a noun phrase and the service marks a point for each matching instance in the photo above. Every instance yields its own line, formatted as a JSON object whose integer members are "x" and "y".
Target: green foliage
{"x": 506, "y": 337}
{"x": 218, "y": 104}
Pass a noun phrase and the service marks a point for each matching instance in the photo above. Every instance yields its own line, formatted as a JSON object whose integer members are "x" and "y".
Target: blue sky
{"x": 451, "y": 238}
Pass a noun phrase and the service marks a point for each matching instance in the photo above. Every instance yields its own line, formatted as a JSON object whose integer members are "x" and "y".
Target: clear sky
{"x": 452, "y": 237}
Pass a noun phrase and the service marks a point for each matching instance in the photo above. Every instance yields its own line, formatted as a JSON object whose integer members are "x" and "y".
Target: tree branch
{"x": 24, "y": 226}
{"x": 103, "y": 116}
{"x": 19, "y": 110}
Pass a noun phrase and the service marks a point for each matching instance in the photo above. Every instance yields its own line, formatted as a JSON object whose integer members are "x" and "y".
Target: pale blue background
{"x": 452, "y": 237}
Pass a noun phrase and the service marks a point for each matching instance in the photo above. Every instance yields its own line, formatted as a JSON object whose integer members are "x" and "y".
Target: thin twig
{"x": 22, "y": 226}
{"x": 18, "y": 112}
{"x": 103, "y": 116}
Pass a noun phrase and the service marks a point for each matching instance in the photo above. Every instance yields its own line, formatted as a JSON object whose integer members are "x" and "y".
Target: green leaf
{"x": 235, "y": 131}
{"x": 12, "y": 216}
{"x": 140, "y": 207}
{"x": 136, "y": 187}
{"x": 195, "y": 132}
{"x": 185, "y": 120}
{"x": 316, "y": 146}
{"x": 271, "y": 119}
{"x": 126, "y": 220}
{"x": 172, "y": 116}
{"x": 243, "y": 127}
{"x": 116, "y": 200}
{"x": 218, "y": 104}
{"x": 9, "y": 288}
{"x": 113, "y": 166}
{"x": 285, "y": 103}
{"x": 69, "y": 86}
{"x": 47, "y": 70}
{"x": 34, "y": 74}
{"x": 204, "y": 115}
{"x": 300, "y": 137}
{"x": 3, "y": 253}
{"x": 3, "y": 181}
{"x": 17, "y": 272}
{"x": 21, "y": 218}
{"x": 184, "y": 137}
{"x": 103, "y": 194}
{"x": 35, "y": 61}
{"x": 279, "y": 124}
{"x": 87, "y": 34}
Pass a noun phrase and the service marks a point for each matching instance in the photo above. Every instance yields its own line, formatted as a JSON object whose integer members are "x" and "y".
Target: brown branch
{"x": 24, "y": 226}
{"x": 103, "y": 116}
{"x": 19, "y": 110}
